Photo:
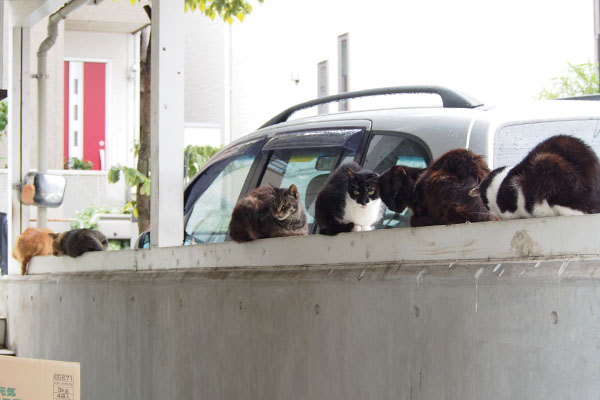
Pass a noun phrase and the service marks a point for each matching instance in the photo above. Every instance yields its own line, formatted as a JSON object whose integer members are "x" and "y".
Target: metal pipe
{"x": 42, "y": 77}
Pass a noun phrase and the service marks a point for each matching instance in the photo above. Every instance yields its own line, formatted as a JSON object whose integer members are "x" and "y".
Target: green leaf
{"x": 145, "y": 189}
{"x": 114, "y": 174}
{"x": 579, "y": 79}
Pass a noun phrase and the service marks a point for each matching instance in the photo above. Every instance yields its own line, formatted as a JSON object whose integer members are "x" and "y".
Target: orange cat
{"x": 33, "y": 242}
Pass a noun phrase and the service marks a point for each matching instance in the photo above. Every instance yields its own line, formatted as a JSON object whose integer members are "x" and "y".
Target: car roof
{"x": 441, "y": 128}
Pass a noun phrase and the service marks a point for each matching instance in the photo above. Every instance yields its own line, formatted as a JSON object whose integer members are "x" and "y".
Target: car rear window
{"x": 513, "y": 142}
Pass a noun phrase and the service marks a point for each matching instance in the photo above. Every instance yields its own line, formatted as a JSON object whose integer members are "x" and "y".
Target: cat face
{"x": 489, "y": 186}
{"x": 362, "y": 186}
{"x": 285, "y": 202}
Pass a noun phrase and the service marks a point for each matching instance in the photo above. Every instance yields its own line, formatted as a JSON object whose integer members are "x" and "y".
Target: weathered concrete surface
{"x": 496, "y": 330}
{"x": 535, "y": 237}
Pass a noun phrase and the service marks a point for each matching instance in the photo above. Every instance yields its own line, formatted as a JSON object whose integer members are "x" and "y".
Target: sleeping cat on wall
{"x": 349, "y": 201}
{"x": 439, "y": 194}
{"x": 76, "y": 242}
{"x": 268, "y": 212}
{"x": 560, "y": 176}
{"x": 43, "y": 242}
{"x": 33, "y": 242}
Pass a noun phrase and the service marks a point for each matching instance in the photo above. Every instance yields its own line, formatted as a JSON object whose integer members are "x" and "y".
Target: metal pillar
{"x": 167, "y": 123}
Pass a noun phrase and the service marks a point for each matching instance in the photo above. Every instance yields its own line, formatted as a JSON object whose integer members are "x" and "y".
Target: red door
{"x": 85, "y": 112}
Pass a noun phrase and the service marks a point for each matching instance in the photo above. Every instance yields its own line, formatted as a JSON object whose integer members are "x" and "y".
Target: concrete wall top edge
{"x": 562, "y": 238}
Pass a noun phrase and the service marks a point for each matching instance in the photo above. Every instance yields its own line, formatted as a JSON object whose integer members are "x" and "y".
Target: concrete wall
{"x": 382, "y": 331}
{"x": 475, "y": 311}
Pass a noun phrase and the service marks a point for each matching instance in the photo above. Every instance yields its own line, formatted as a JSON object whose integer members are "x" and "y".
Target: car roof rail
{"x": 450, "y": 99}
{"x": 581, "y": 97}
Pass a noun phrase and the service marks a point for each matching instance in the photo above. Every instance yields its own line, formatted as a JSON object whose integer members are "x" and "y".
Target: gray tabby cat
{"x": 268, "y": 212}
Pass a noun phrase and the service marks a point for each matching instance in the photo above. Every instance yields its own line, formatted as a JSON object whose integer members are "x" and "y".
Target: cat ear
{"x": 475, "y": 192}
{"x": 293, "y": 190}
{"x": 350, "y": 173}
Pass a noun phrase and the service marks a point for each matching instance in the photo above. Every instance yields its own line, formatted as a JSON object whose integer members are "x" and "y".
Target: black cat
{"x": 349, "y": 201}
{"x": 75, "y": 242}
{"x": 268, "y": 212}
{"x": 397, "y": 187}
{"x": 560, "y": 176}
{"x": 439, "y": 194}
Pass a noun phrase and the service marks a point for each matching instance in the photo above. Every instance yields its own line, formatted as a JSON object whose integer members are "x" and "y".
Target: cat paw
{"x": 357, "y": 228}
{"x": 367, "y": 228}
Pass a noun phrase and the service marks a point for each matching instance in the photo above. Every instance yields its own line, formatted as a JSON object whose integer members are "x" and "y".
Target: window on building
{"x": 323, "y": 82}
{"x": 343, "y": 70}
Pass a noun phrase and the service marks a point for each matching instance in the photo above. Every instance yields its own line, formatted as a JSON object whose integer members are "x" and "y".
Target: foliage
{"x": 226, "y": 9}
{"x": 132, "y": 176}
{"x": 580, "y": 79}
{"x": 117, "y": 244}
{"x": 3, "y": 117}
{"x": 78, "y": 163}
{"x": 88, "y": 218}
{"x": 196, "y": 156}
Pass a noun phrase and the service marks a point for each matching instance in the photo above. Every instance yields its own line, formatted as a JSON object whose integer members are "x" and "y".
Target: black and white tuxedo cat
{"x": 349, "y": 201}
{"x": 560, "y": 176}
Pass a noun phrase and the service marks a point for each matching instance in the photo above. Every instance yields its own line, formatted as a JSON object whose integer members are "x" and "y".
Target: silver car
{"x": 306, "y": 150}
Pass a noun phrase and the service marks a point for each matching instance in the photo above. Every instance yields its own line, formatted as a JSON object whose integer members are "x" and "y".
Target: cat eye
{"x": 371, "y": 192}
{"x": 356, "y": 192}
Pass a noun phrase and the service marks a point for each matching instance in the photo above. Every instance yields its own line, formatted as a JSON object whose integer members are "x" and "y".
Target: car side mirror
{"x": 143, "y": 241}
{"x": 43, "y": 190}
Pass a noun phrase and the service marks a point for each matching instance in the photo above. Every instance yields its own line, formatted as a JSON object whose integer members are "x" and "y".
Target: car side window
{"x": 221, "y": 185}
{"x": 308, "y": 169}
{"x": 387, "y": 150}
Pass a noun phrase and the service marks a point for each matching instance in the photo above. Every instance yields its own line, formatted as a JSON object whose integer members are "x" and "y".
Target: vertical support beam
{"x": 19, "y": 124}
{"x": 226, "y": 135}
{"x": 597, "y": 33}
{"x": 42, "y": 127}
{"x": 1, "y": 43}
{"x": 166, "y": 210}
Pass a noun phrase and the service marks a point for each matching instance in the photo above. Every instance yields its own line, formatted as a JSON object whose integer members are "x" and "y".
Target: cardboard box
{"x": 31, "y": 379}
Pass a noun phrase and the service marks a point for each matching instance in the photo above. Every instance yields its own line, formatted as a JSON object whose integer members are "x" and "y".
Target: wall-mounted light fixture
{"x": 295, "y": 77}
